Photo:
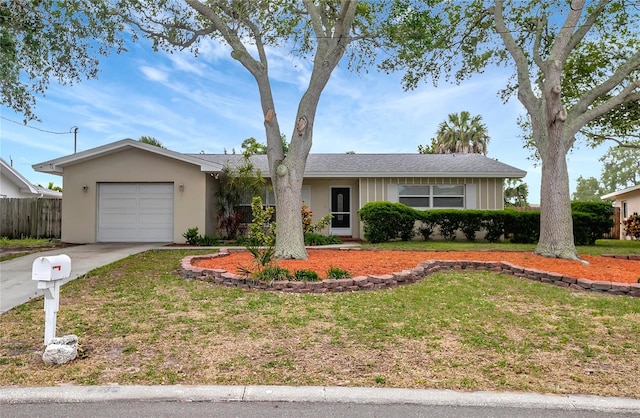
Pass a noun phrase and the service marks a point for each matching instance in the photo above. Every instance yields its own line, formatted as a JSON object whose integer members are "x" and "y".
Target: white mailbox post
{"x": 49, "y": 272}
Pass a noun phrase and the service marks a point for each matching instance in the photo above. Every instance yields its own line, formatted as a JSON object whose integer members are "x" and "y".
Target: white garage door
{"x": 135, "y": 212}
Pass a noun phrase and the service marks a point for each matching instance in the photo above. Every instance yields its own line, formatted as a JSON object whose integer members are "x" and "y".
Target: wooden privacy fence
{"x": 615, "y": 229}
{"x": 30, "y": 218}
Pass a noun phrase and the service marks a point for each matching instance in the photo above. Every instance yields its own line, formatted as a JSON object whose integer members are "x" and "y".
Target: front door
{"x": 341, "y": 211}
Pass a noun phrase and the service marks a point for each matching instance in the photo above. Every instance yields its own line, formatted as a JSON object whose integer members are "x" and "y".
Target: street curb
{"x": 432, "y": 397}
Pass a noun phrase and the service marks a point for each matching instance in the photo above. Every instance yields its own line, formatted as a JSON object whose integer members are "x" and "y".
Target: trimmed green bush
{"x": 493, "y": 223}
{"x": 386, "y": 221}
{"x": 522, "y": 227}
{"x": 471, "y": 223}
{"x": 337, "y": 273}
{"x": 305, "y": 276}
{"x": 316, "y": 239}
{"x": 601, "y": 221}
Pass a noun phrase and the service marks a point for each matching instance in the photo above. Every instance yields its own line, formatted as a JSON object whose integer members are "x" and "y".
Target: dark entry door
{"x": 341, "y": 211}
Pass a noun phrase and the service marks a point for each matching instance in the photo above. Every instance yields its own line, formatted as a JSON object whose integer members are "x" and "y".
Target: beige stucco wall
{"x": 320, "y": 203}
{"x": 488, "y": 195}
{"x": 79, "y": 214}
{"x": 633, "y": 206}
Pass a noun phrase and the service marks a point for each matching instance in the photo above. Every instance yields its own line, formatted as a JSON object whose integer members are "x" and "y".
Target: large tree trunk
{"x": 556, "y": 223}
{"x": 553, "y": 143}
{"x": 289, "y": 235}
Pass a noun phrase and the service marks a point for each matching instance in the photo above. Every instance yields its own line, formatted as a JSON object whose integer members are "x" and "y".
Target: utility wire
{"x": 37, "y": 129}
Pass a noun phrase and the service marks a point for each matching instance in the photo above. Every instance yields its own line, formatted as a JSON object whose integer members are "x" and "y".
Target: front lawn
{"x": 12, "y": 248}
{"x": 140, "y": 323}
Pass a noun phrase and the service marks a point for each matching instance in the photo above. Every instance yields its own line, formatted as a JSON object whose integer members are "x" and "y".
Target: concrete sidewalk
{"x": 16, "y": 286}
{"x": 380, "y": 396}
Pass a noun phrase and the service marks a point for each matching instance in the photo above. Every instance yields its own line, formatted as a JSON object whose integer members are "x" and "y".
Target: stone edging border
{"x": 385, "y": 281}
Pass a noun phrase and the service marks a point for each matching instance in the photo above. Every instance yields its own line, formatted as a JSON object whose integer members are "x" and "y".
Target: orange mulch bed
{"x": 377, "y": 262}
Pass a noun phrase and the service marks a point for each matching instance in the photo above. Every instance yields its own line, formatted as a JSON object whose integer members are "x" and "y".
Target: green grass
{"x": 139, "y": 322}
{"x": 25, "y": 242}
{"x": 14, "y": 248}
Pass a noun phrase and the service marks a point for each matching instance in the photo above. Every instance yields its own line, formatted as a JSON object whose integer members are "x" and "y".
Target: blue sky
{"x": 210, "y": 103}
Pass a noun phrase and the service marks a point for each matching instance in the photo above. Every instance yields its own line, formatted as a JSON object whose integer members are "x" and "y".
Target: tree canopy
{"x": 576, "y": 70}
{"x": 44, "y": 40}
{"x": 620, "y": 167}
{"x": 323, "y": 31}
{"x": 516, "y": 193}
{"x": 587, "y": 190}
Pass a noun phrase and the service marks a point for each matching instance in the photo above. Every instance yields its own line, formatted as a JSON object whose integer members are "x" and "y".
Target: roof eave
{"x": 17, "y": 178}
{"x": 415, "y": 174}
{"x": 613, "y": 195}
{"x": 56, "y": 166}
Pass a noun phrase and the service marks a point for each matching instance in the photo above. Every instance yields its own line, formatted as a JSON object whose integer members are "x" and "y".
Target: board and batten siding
{"x": 481, "y": 193}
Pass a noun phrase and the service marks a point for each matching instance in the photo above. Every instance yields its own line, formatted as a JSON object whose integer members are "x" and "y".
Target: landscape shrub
{"x": 601, "y": 221}
{"x": 316, "y": 239}
{"x": 262, "y": 231}
{"x": 493, "y": 224}
{"x": 194, "y": 238}
{"x": 307, "y": 221}
{"x": 632, "y": 227}
{"x": 522, "y": 227}
{"x": 448, "y": 220}
{"x": 305, "y": 276}
{"x": 273, "y": 273}
{"x": 471, "y": 223}
{"x": 191, "y": 235}
{"x": 583, "y": 228}
{"x": 386, "y": 221}
{"x": 337, "y": 273}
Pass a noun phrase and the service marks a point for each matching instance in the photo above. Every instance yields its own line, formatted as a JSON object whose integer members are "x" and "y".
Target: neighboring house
{"x": 628, "y": 200}
{"x": 15, "y": 185}
{"x": 132, "y": 191}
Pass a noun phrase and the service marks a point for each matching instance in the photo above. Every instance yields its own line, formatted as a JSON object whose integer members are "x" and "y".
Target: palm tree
{"x": 462, "y": 134}
{"x": 151, "y": 141}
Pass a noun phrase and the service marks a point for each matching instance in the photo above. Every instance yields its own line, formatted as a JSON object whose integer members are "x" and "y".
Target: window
{"x": 450, "y": 196}
{"x": 436, "y": 196}
{"x": 625, "y": 210}
{"x": 244, "y": 208}
{"x": 415, "y": 196}
{"x": 268, "y": 199}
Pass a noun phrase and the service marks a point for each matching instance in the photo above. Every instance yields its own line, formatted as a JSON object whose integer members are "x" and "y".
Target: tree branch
{"x": 584, "y": 28}
{"x": 625, "y": 96}
{"x": 560, "y": 49}
{"x": 525, "y": 92}
{"x": 240, "y": 52}
{"x": 632, "y": 64}
{"x": 620, "y": 143}
{"x": 536, "y": 45}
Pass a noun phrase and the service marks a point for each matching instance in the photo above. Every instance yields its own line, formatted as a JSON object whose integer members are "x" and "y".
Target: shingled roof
{"x": 385, "y": 165}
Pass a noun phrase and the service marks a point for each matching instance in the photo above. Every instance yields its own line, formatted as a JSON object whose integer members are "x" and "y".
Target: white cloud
{"x": 154, "y": 74}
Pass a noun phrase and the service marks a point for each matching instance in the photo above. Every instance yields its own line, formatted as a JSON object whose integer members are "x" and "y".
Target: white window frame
{"x": 430, "y": 196}
{"x": 435, "y": 196}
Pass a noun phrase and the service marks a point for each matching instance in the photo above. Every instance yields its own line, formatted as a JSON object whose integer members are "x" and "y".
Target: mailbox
{"x": 49, "y": 272}
{"x": 50, "y": 268}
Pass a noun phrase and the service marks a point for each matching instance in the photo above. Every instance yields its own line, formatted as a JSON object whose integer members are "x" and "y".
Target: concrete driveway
{"x": 16, "y": 286}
